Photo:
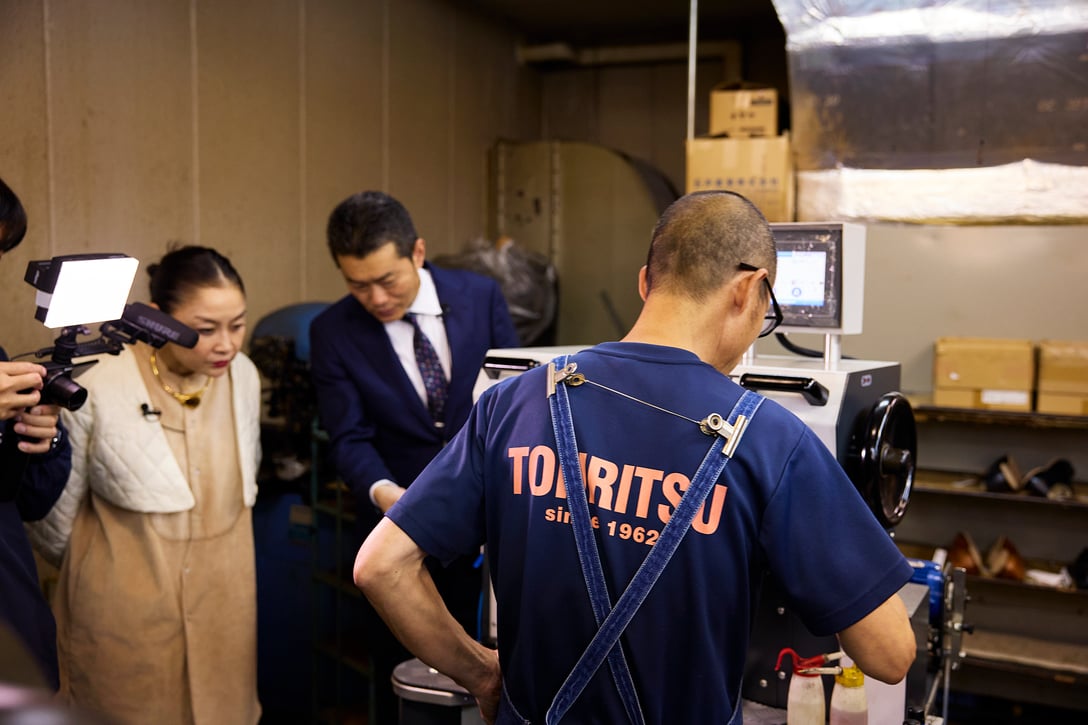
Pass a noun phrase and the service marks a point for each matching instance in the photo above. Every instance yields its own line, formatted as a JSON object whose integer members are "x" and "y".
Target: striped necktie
{"x": 434, "y": 380}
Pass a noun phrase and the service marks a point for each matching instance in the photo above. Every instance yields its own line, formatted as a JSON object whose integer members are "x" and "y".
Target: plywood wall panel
{"x": 668, "y": 122}
{"x": 248, "y": 115}
{"x": 422, "y": 66}
{"x": 624, "y": 101}
{"x": 344, "y": 133}
{"x": 569, "y": 106}
{"x": 120, "y": 130}
{"x": 23, "y": 166}
{"x": 482, "y": 110}
{"x": 241, "y": 123}
{"x": 640, "y": 110}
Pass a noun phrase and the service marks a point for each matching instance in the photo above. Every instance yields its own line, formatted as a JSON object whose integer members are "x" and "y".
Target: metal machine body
{"x": 853, "y": 388}
{"x": 855, "y": 408}
{"x": 849, "y": 405}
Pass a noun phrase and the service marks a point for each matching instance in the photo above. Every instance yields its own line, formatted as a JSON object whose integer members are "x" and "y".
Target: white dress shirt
{"x": 428, "y": 312}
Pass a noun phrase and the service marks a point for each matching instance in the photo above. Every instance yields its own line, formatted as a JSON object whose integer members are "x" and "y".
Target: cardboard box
{"x": 1063, "y": 367}
{"x": 983, "y": 373}
{"x": 1062, "y": 404}
{"x": 743, "y": 111}
{"x": 983, "y": 399}
{"x": 1063, "y": 378}
{"x": 760, "y": 169}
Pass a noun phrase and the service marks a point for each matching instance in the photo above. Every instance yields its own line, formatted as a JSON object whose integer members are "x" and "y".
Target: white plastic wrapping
{"x": 813, "y": 23}
{"x": 1019, "y": 193}
{"x": 963, "y": 111}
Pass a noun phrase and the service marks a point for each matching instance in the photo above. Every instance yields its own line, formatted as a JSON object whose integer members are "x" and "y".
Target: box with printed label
{"x": 985, "y": 373}
{"x": 760, "y": 169}
{"x": 743, "y": 111}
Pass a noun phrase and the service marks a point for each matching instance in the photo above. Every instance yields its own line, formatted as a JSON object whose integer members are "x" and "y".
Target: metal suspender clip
{"x": 566, "y": 375}
{"x": 715, "y": 424}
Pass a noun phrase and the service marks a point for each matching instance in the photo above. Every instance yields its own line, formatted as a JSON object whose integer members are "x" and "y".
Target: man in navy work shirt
{"x": 783, "y": 503}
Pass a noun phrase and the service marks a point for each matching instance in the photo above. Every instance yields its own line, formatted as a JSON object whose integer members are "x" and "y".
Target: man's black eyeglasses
{"x": 773, "y": 318}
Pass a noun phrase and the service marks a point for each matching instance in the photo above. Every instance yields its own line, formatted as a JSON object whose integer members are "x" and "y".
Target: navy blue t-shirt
{"x": 783, "y": 503}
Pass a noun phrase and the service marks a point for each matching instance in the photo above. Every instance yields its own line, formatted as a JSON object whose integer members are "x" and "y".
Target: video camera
{"x": 81, "y": 289}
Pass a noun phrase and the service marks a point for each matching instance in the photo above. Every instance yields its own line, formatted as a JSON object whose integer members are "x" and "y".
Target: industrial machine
{"x": 855, "y": 408}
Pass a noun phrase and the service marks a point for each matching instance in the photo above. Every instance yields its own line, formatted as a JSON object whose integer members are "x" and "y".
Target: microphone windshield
{"x": 160, "y": 325}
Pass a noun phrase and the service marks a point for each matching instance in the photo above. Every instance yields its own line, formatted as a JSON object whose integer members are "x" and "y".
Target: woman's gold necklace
{"x": 189, "y": 400}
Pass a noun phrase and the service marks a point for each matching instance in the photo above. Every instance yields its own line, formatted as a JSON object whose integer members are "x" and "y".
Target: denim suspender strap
{"x": 615, "y": 620}
{"x": 588, "y": 557}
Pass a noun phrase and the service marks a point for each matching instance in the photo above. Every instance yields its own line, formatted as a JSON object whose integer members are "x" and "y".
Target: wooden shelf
{"x": 1029, "y": 640}
{"x": 926, "y": 412}
{"x": 330, "y": 579}
{"x": 1060, "y": 661}
{"x": 357, "y": 660}
{"x": 914, "y": 550}
{"x": 330, "y": 509}
{"x": 951, "y": 483}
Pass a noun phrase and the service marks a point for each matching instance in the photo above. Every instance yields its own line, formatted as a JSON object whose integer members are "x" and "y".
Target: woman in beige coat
{"x": 156, "y": 602}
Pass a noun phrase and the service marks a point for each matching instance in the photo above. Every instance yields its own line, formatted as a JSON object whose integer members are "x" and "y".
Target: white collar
{"x": 426, "y": 301}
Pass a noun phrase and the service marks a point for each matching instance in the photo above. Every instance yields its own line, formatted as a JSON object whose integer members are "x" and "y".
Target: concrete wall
{"x": 239, "y": 124}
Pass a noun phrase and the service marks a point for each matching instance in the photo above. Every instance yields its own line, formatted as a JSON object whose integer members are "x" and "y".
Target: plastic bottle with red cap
{"x": 805, "y": 699}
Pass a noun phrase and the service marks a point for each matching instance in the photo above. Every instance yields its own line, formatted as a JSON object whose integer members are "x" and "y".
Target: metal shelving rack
{"x": 334, "y": 700}
{"x": 1028, "y": 641}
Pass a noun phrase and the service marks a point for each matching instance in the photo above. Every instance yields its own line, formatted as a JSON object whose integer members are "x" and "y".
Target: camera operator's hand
{"x": 39, "y": 425}
{"x": 15, "y": 377}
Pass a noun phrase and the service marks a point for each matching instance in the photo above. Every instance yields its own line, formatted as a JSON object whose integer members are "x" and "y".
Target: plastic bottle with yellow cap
{"x": 848, "y": 703}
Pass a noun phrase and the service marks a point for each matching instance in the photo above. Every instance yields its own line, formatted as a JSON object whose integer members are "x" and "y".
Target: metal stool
{"x": 427, "y": 697}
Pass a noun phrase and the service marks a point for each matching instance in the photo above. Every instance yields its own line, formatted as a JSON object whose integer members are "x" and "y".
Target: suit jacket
{"x": 378, "y": 427}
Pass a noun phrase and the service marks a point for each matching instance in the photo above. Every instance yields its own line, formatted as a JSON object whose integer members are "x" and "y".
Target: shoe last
{"x": 1005, "y": 562}
{"x": 964, "y": 554}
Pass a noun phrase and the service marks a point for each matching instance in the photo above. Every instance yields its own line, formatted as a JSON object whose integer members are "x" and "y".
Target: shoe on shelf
{"x": 1079, "y": 569}
{"x": 1039, "y": 481}
{"x": 964, "y": 554}
{"x": 1061, "y": 492}
{"x": 1003, "y": 476}
{"x": 1004, "y": 561}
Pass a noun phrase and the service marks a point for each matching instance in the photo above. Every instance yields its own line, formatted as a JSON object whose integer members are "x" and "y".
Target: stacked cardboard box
{"x": 1063, "y": 378}
{"x": 751, "y": 159}
{"x": 1001, "y": 374}
{"x": 984, "y": 373}
{"x": 743, "y": 110}
{"x": 760, "y": 169}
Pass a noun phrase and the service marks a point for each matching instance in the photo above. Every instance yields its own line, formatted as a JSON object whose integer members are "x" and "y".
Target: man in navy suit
{"x": 373, "y": 399}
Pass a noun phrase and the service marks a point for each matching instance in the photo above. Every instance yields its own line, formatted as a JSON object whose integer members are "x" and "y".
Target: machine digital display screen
{"x": 809, "y": 280}
{"x": 801, "y": 278}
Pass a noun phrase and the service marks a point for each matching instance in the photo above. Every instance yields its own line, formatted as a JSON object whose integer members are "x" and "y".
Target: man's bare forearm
{"x": 882, "y": 643}
{"x": 389, "y": 570}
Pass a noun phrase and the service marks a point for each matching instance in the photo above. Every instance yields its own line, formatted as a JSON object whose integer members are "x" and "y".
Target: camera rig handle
{"x": 139, "y": 323}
